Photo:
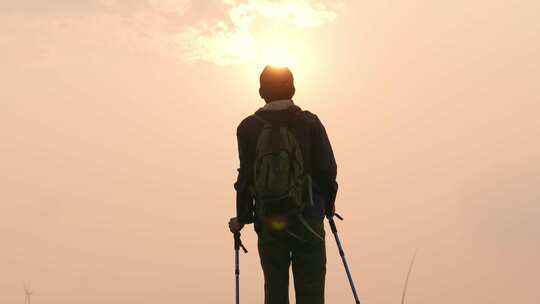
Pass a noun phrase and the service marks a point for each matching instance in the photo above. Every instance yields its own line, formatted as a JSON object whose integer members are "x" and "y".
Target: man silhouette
{"x": 296, "y": 236}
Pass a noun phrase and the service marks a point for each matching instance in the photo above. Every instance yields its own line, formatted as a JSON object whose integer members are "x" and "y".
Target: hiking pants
{"x": 307, "y": 254}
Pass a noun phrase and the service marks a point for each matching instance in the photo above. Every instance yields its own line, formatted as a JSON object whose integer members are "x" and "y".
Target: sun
{"x": 277, "y": 57}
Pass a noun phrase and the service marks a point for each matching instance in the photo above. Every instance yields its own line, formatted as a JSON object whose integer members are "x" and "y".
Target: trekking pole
{"x": 342, "y": 254}
{"x": 237, "y": 245}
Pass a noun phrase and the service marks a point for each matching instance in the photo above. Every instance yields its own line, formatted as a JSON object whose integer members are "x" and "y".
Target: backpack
{"x": 281, "y": 186}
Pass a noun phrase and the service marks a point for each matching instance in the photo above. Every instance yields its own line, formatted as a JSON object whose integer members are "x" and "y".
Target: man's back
{"x": 317, "y": 154}
{"x": 299, "y": 237}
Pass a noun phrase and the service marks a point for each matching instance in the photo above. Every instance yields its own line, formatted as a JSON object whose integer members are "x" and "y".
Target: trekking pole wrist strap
{"x": 333, "y": 223}
{"x": 238, "y": 242}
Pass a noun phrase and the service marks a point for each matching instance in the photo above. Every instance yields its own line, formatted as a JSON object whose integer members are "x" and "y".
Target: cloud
{"x": 235, "y": 37}
{"x": 170, "y": 6}
{"x": 222, "y": 32}
{"x": 302, "y": 14}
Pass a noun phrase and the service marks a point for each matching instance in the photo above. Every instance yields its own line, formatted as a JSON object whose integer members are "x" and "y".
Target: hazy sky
{"x": 118, "y": 148}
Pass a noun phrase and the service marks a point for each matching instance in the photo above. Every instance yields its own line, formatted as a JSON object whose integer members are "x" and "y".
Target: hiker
{"x": 286, "y": 186}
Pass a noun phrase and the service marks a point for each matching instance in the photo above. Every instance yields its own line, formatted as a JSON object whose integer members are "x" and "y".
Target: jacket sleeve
{"x": 244, "y": 199}
{"x": 324, "y": 167}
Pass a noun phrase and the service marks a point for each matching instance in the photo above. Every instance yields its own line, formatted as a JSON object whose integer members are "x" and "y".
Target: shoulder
{"x": 307, "y": 114}
{"x": 309, "y": 117}
{"x": 314, "y": 124}
{"x": 247, "y": 124}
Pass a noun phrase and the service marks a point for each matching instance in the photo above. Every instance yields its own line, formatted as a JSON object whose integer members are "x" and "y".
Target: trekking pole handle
{"x": 238, "y": 242}
{"x": 332, "y": 225}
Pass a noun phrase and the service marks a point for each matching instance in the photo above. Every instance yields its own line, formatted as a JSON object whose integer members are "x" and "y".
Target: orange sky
{"x": 117, "y": 137}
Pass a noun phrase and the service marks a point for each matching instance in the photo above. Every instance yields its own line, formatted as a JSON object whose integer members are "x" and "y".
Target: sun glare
{"x": 277, "y": 57}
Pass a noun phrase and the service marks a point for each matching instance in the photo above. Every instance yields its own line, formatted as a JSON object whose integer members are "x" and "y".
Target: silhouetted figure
{"x": 27, "y": 294}
{"x": 286, "y": 184}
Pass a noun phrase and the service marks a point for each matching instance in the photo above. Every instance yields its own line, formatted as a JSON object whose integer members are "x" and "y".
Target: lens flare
{"x": 277, "y": 57}
{"x": 277, "y": 223}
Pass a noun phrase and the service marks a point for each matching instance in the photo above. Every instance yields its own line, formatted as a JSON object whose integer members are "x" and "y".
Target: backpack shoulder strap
{"x": 264, "y": 121}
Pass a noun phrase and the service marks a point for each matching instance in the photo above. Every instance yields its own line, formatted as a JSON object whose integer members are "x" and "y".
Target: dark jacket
{"x": 318, "y": 158}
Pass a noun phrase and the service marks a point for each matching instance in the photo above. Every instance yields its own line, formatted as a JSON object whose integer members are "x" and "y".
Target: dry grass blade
{"x": 404, "y": 293}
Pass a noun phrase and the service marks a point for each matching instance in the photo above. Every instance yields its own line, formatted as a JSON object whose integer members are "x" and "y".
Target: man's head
{"x": 276, "y": 83}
